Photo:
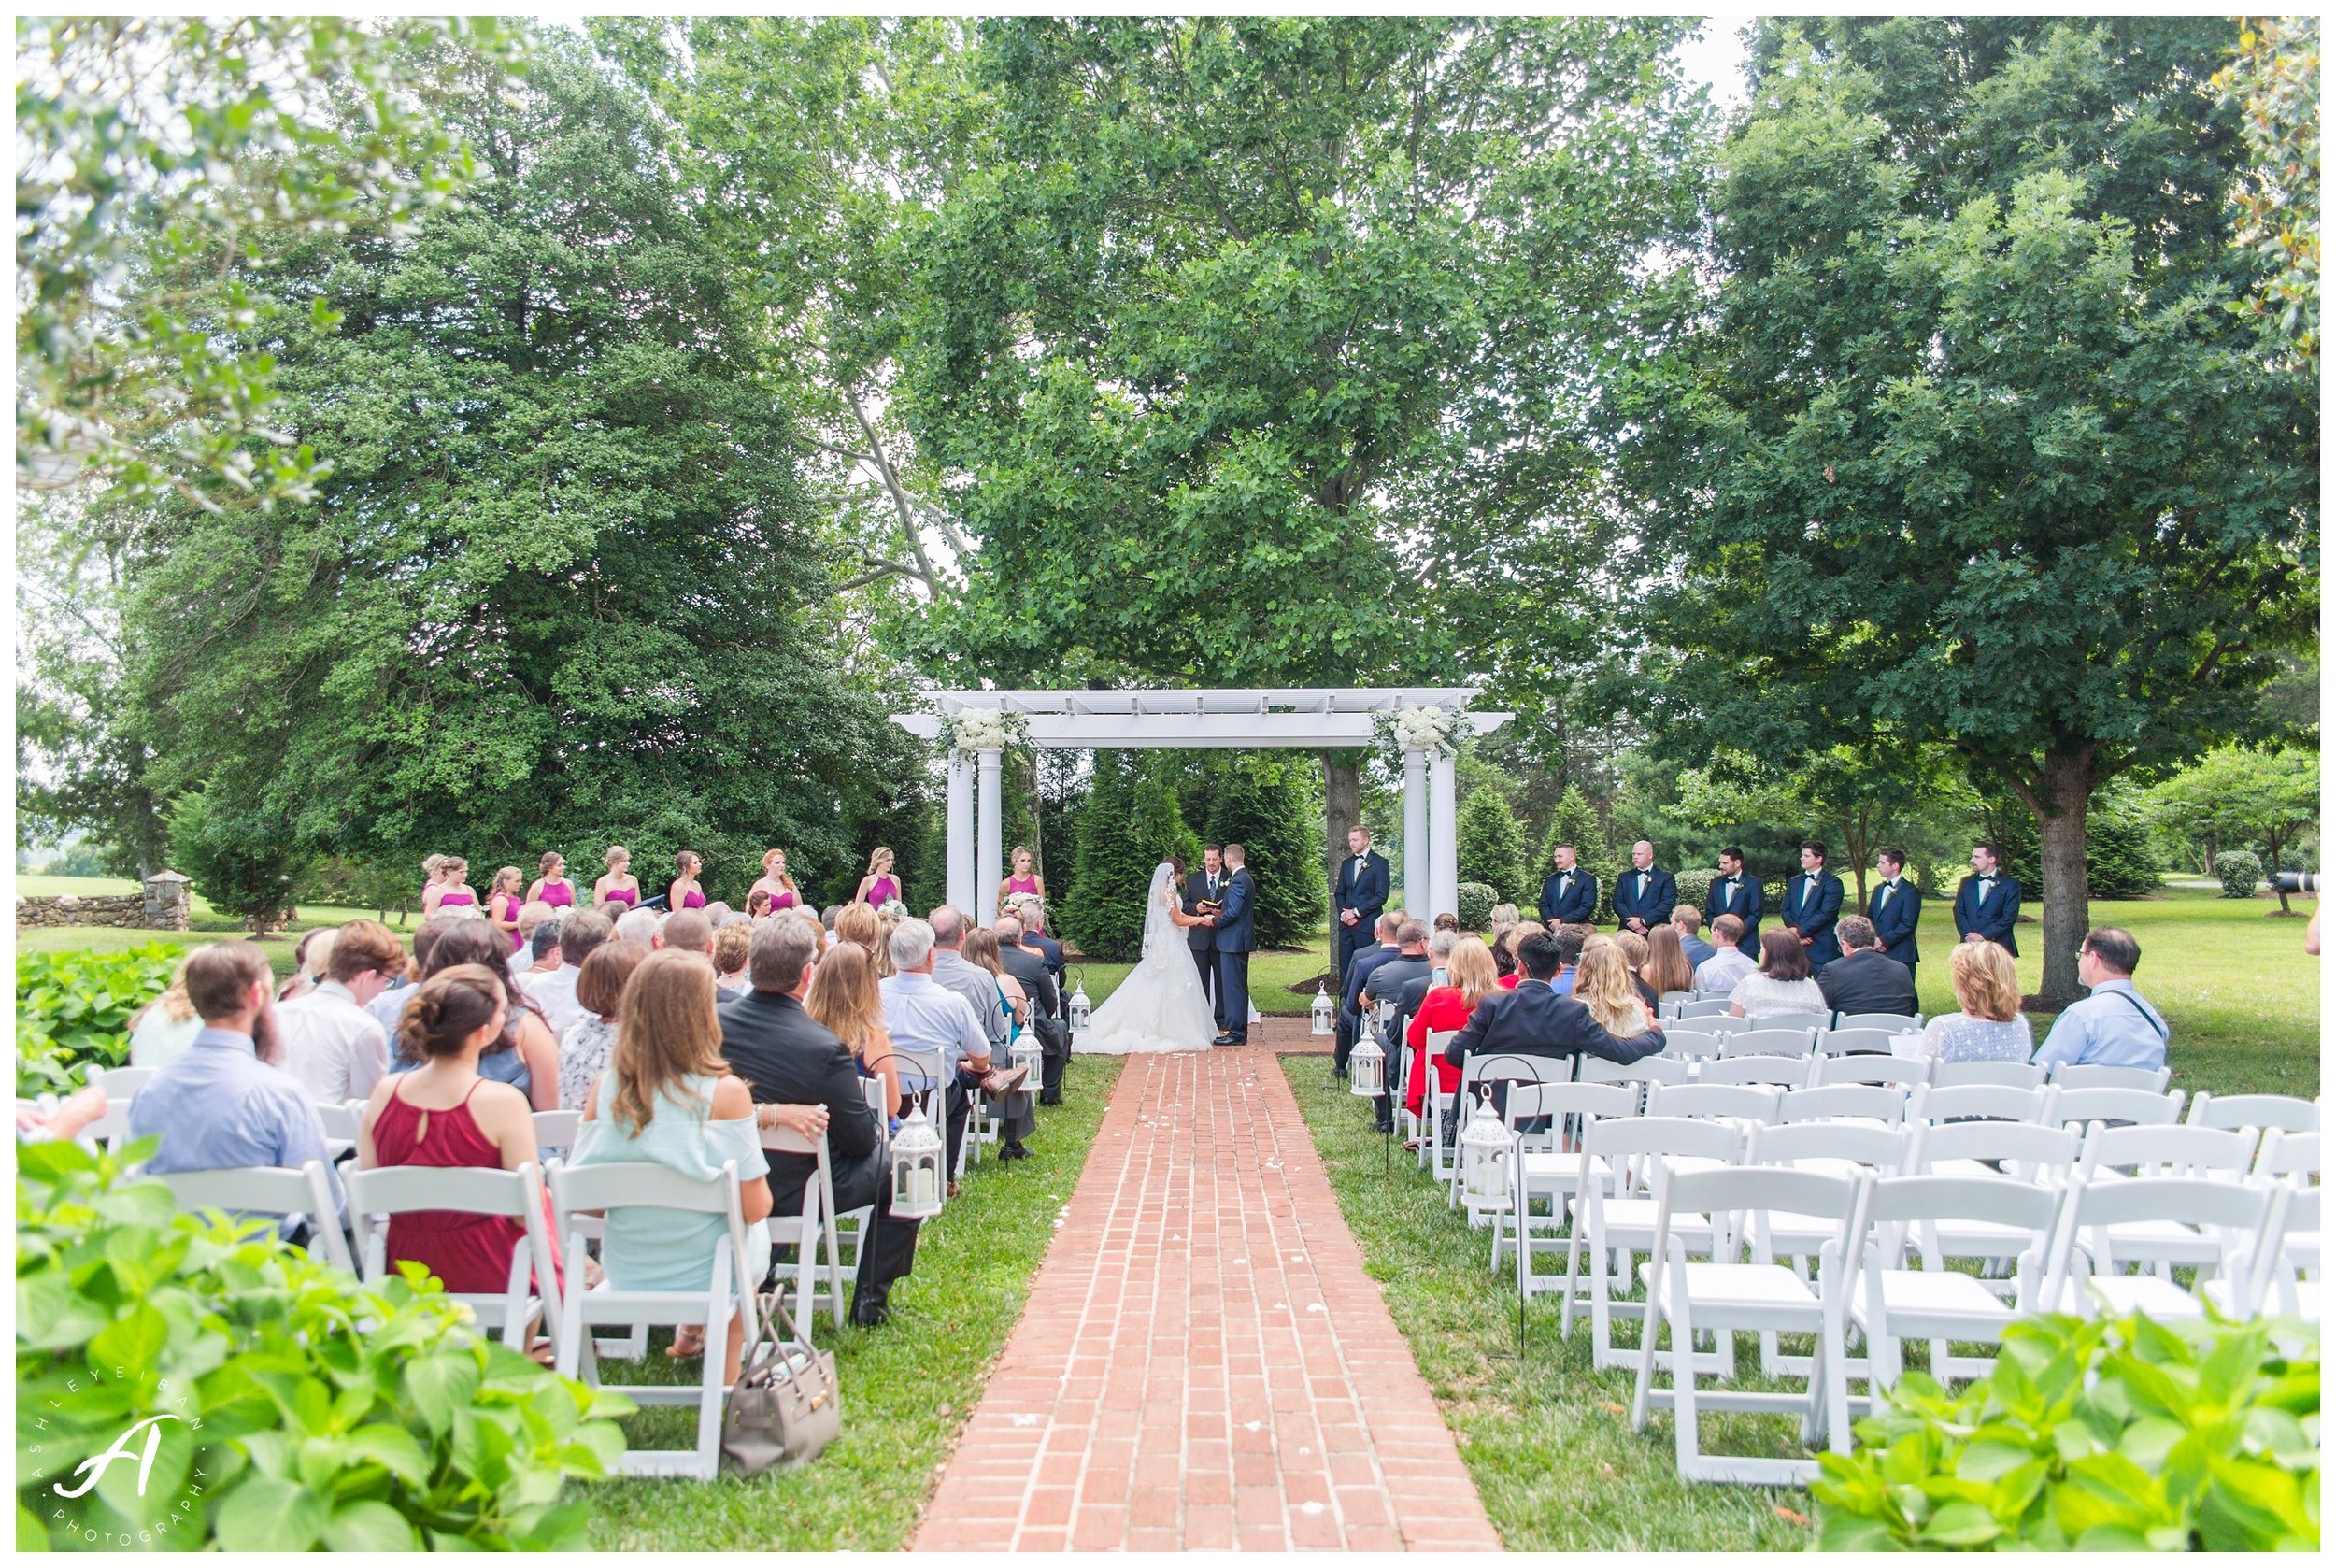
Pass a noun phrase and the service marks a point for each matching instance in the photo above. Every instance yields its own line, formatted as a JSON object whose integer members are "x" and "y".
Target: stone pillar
{"x": 1418, "y": 873}
{"x": 167, "y": 903}
{"x": 1443, "y": 834}
{"x": 988, "y": 827}
{"x": 960, "y": 878}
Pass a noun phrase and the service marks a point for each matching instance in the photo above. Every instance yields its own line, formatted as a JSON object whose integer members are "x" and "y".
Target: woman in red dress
{"x": 1447, "y": 1006}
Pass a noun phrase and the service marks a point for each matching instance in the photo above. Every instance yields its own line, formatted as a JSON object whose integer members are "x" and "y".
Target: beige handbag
{"x": 785, "y": 1406}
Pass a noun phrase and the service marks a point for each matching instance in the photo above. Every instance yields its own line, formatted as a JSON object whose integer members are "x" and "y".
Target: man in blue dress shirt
{"x": 1812, "y": 904}
{"x": 1568, "y": 896}
{"x": 1895, "y": 909}
{"x": 1733, "y": 893}
{"x": 2112, "y": 1027}
{"x": 1986, "y": 904}
{"x": 1643, "y": 896}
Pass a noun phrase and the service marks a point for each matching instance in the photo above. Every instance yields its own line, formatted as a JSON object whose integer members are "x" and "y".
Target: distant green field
{"x": 208, "y": 923}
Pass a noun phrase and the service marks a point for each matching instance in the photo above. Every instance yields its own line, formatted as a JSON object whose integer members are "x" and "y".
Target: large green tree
{"x": 1965, "y": 444}
{"x": 560, "y": 587}
{"x": 2238, "y": 795}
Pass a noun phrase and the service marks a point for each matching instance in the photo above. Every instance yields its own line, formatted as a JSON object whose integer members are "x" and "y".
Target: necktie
{"x": 1641, "y": 884}
{"x": 1887, "y": 888}
{"x": 1565, "y": 884}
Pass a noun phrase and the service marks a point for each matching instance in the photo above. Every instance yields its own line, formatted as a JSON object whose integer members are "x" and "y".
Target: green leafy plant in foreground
{"x": 261, "y": 1400}
{"x": 2117, "y": 1434}
{"x": 73, "y": 1010}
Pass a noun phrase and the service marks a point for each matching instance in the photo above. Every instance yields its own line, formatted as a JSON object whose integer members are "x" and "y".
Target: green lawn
{"x": 908, "y": 1387}
{"x": 1271, "y": 973}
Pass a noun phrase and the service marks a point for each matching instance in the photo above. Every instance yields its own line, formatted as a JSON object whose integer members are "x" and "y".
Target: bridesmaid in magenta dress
{"x": 684, "y": 893}
{"x": 433, "y": 883}
{"x": 454, "y": 889}
{"x": 1022, "y": 883}
{"x": 617, "y": 885}
{"x": 879, "y": 887}
{"x": 552, "y": 886}
{"x": 775, "y": 882}
{"x": 503, "y": 903}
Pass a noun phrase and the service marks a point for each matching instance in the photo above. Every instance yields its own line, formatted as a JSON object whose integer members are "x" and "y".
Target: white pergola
{"x": 1315, "y": 719}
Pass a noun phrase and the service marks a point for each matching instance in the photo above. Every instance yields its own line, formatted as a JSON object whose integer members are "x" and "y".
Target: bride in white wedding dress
{"x": 1159, "y": 1006}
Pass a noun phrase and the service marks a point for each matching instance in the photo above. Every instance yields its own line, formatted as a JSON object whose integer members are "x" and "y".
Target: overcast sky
{"x": 1716, "y": 57}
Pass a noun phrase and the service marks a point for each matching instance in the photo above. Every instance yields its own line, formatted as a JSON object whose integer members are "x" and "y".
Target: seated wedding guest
{"x": 1504, "y": 947}
{"x": 1358, "y": 972}
{"x": 332, "y": 1045}
{"x": 1688, "y": 921}
{"x": 554, "y": 992}
{"x": 1571, "y": 940}
{"x": 389, "y": 1007}
{"x": 1033, "y": 916}
{"x": 1602, "y": 984}
{"x": 165, "y": 1026}
{"x": 617, "y": 885}
{"x": 1534, "y": 1020}
{"x": 503, "y": 902}
{"x": 879, "y": 887}
{"x": 1635, "y": 952}
{"x": 860, "y": 923}
{"x": 923, "y": 1015}
{"x": 1385, "y": 982}
{"x": 543, "y": 949}
{"x": 551, "y": 885}
{"x": 1667, "y": 968}
{"x": 528, "y": 1057}
{"x": 220, "y": 1103}
{"x": 684, "y": 891}
{"x": 2113, "y": 1027}
{"x": 687, "y": 929}
{"x": 1723, "y": 968}
{"x": 1503, "y": 917}
{"x": 777, "y": 888}
{"x": 1782, "y": 983}
{"x": 1444, "y": 922}
{"x": 731, "y": 943}
{"x": 844, "y": 997}
{"x": 979, "y": 989}
{"x": 443, "y": 1114}
{"x": 639, "y": 925}
{"x": 1864, "y": 979}
{"x": 585, "y": 1048}
{"x": 758, "y": 904}
{"x": 64, "y": 1120}
{"x": 983, "y": 951}
{"x": 1022, "y": 956}
{"x": 531, "y": 918}
{"x": 1470, "y": 979}
{"x": 1988, "y": 1024}
{"x": 668, "y": 1099}
{"x": 776, "y": 1037}
{"x": 828, "y": 915}
{"x": 310, "y": 955}
{"x": 1412, "y": 992}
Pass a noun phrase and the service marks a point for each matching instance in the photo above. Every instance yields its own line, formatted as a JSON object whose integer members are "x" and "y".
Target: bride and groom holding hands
{"x": 1165, "y": 1003}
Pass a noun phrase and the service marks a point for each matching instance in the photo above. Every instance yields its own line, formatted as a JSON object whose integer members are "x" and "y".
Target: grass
{"x": 908, "y": 1387}
{"x": 1546, "y": 1439}
{"x": 1271, "y": 973}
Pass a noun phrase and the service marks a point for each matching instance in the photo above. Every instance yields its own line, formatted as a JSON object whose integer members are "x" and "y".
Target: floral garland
{"x": 1415, "y": 728}
{"x": 982, "y": 729}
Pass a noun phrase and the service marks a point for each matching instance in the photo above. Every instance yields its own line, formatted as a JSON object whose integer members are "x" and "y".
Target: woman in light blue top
{"x": 667, "y": 1099}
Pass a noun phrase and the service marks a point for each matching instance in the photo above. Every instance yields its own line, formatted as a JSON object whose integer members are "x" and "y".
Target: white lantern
{"x": 1081, "y": 1007}
{"x": 919, "y": 1152}
{"x": 1485, "y": 1150}
{"x": 1325, "y": 1011}
{"x": 1367, "y": 1064}
{"x": 1027, "y": 1053}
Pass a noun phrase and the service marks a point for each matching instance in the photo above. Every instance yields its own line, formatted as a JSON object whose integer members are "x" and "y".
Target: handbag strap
{"x": 770, "y": 1317}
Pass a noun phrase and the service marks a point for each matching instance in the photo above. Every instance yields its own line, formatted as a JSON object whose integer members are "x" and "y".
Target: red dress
{"x": 1441, "y": 1010}
{"x": 470, "y": 1252}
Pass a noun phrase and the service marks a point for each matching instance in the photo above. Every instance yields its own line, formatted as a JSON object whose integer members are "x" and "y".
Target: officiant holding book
{"x": 1204, "y": 894}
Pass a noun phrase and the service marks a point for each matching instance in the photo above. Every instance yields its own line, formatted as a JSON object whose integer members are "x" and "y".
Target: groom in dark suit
{"x": 1363, "y": 883}
{"x": 1206, "y": 885}
{"x": 1231, "y": 929}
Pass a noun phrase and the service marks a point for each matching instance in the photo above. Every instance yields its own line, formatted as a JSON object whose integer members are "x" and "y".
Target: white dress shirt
{"x": 924, "y": 1015}
{"x": 555, "y": 992}
{"x": 334, "y": 1047}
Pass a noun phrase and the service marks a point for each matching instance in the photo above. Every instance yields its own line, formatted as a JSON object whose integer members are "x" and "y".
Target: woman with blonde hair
{"x": 1024, "y": 883}
{"x": 165, "y": 1026}
{"x": 433, "y": 873}
{"x": 1601, "y": 983}
{"x": 879, "y": 887}
{"x": 616, "y": 885}
{"x": 860, "y": 923}
{"x": 1988, "y": 1024}
{"x": 312, "y": 956}
{"x": 778, "y": 888}
{"x": 844, "y": 997}
{"x": 1473, "y": 977}
{"x": 503, "y": 903}
{"x": 1637, "y": 951}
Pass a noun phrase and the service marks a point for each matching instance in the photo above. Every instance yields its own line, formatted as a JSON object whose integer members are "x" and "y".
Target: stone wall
{"x": 161, "y": 908}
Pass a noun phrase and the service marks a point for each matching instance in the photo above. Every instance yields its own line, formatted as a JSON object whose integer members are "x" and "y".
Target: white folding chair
{"x": 1933, "y": 1102}
{"x": 1692, "y": 1045}
{"x": 2235, "y": 1214}
{"x": 806, "y": 1230}
{"x": 1705, "y": 1005}
{"x": 1646, "y": 1069}
{"x": 1880, "y": 1102}
{"x": 2078, "y": 1075}
{"x": 1887, "y": 1023}
{"x": 389, "y": 1191}
{"x": 2284, "y": 1279}
{"x": 2208, "y": 1153}
{"x": 120, "y": 1083}
{"x": 729, "y": 1283}
{"x": 1477, "y": 1074}
{"x": 1787, "y": 1072}
{"x": 1671, "y": 1001}
{"x": 556, "y": 1131}
{"x": 2008, "y": 1075}
{"x": 1840, "y": 1149}
{"x": 1905, "y": 1072}
{"x": 2289, "y": 1154}
{"x": 1891, "y": 1302}
{"x": 1548, "y": 1168}
{"x": 1609, "y": 1227}
{"x": 341, "y": 1122}
{"x": 1758, "y": 1295}
{"x": 1814, "y": 1023}
{"x": 277, "y": 1190}
{"x": 1854, "y": 1042}
{"x": 2287, "y": 1112}
{"x": 2035, "y": 1153}
{"x": 1436, "y": 1153}
{"x": 1768, "y": 1041}
{"x": 1744, "y": 1103}
{"x": 2143, "y": 1107}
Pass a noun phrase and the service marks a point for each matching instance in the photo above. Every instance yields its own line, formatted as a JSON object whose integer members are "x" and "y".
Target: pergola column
{"x": 1418, "y": 874}
{"x": 988, "y": 828}
{"x": 1443, "y": 834}
{"x": 960, "y": 879}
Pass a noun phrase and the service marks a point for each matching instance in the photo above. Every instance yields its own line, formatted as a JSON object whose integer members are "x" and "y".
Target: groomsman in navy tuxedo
{"x": 1895, "y": 909}
{"x": 1362, "y": 882}
{"x": 1569, "y": 895}
{"x": 1812, "y": 904}
{"x": 1643, "y": 897}
{"x": 1733, "y": 893}
{"x": 1987, "y": 904}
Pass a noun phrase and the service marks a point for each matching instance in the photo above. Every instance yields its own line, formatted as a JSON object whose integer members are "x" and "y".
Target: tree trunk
{"x": 2063, "y": 794}
{"x": 1342, "y": 809}
{"x": 2273, "y": 869}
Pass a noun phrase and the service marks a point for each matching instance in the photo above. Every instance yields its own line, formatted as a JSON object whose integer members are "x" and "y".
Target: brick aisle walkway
{"x": 1204, "y": 1362}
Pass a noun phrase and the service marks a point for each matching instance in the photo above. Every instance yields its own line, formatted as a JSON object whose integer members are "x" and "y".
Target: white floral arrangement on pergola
{"x": 982, "y": 729}
{"x": 1415, "y": 727}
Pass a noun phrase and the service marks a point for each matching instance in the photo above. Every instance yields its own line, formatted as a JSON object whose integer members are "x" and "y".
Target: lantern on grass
{"x": 1366, "y": 1065}
{"x": 1081, "y": 1007}
{"x": 1325, "y": 1011}
{"x": 1485, "y": 1150}
{"x": 918, "y": 1155}
{"x": 1027, "y": 1053}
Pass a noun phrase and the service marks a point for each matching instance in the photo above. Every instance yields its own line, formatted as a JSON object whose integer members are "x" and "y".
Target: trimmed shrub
{"x": 1695, "y": 887}
{"x": 1491, "y": 841}
{"x": 1130, "y": 825}
{"x": 1476, "y": 900}
{"x": 2239, "y": 872}
{"x": 1257, "y": 803}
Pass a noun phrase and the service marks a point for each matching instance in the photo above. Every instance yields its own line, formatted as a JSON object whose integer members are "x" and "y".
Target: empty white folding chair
{"x": 1840, "y": 1148}
{"x": 1816, "y": 1023}
{"x": 1890, "y": 1303}
{"x": 2008, "y": 1075}
{"x": 729, "y": 1282}
{"x": 2209, "y": 1154}
{"x": 1692, "y": 1045}
{"x": 1935, "y": 1102}
{"x": 1551, "y": 1168}
{"x": 1704, "y": 1006}
{"x": 1611, "y": 1224}
{"x": 1646, "y": 1069}
{"x": 809, "y": 1228}
{"x": 1743, "y": 1103}
{"x": 1908, "y": 1073}
{"x": 2039, "y": 1155}
{"x": 390, "y": 1191}
{"x": 1756, "y": 1293}
{"x": 1670, "y": 1002}
{"x": 1881, "y": 1104}
{"x": 2141, "y": 1106}
{"x": 2233, "y": 1214}
{"x": 120, "y": 1083}
{"x": 2287, "y": 1112}
{"x": 2281, "y": 1280}
{"x": 277, "y": 1190}
{"x": 341, "y": 1123}
{"x": 1435, "y": 1149}
{"x": 2077, "y": 1076}
{"x": 1479, "y": 1074}
{"x": 1788, "y": 1072}
{"x": 1888, "y": 1024}
{"x": 556, "y": 1131}
{"x": 1765, "y": 1040}
{"x": 2289, "y": 1154}
{"x": 1855, "y": 1042}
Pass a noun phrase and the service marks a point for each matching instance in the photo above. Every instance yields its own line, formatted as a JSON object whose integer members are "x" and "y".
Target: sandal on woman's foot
{"x": 686, "y": 1344}
{"x": 540, "y": 1353}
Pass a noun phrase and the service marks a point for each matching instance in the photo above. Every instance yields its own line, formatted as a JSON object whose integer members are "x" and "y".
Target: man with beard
{"x": 222, "y": 1102}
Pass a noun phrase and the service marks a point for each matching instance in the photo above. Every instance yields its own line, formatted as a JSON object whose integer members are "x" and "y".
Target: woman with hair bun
{"x": 617, "y": 885}
{"x": 444, "y": 1115}
{"x": 684, "y": 891}
{"x": 432, "y": 874}
{"x": 526, "y": 1055}
{"x": 453, "y": 890}
{"x": 551, "y": 884}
